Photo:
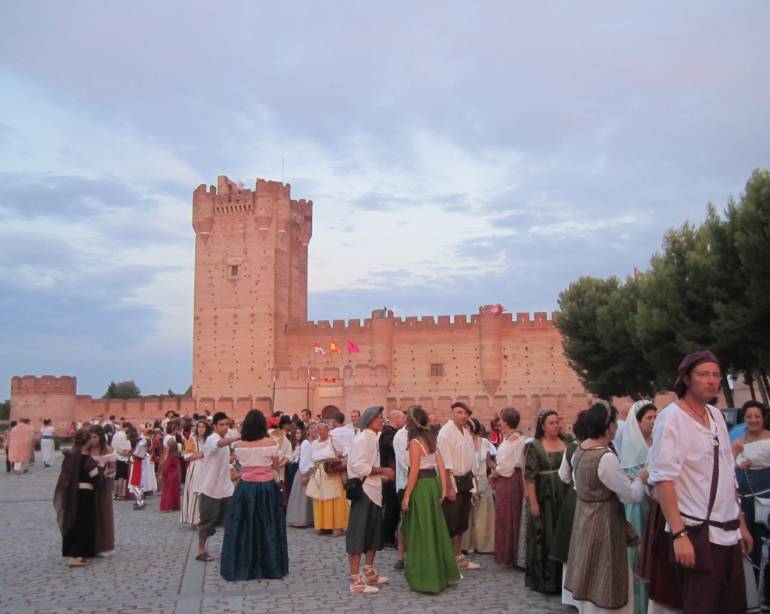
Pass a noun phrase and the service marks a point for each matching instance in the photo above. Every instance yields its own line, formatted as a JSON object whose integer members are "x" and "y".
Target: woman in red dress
{"x": 169, "y": 501}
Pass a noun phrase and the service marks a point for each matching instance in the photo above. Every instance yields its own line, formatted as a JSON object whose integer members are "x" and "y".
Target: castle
{"x": 253, "y": 345}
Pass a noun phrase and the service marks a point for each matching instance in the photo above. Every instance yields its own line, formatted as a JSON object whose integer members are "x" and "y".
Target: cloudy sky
{"x": 457, "y": 153}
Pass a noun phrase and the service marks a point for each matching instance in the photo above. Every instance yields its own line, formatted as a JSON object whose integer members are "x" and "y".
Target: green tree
{"x": 676, "y": 308}
{"x": 596, "y": 319}
{"x": 752, "y": 243}
{"x": 122, "y": 390}
{"x": 5, "y": 409}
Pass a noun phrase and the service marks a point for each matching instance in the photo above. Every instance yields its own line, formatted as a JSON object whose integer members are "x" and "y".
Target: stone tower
{"x": 251, "y": 265}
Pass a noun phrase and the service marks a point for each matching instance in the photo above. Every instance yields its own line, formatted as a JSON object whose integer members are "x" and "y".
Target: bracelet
{"x": 679, "y": 534}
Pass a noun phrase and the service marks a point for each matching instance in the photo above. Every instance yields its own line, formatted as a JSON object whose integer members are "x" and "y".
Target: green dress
{"x": 429, "y": 560}
{"x": 541, "y": 467}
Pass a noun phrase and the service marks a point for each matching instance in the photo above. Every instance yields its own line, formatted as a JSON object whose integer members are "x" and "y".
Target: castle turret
{"x": 490, "y": 348}
{"x": 250, "y": 284}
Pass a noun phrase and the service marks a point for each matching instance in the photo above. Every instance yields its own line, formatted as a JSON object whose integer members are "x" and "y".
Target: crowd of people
{"x": 662, "y": 511}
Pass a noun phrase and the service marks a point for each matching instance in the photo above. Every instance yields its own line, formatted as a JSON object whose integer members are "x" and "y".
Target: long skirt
{"x": 105, "y": 521}
{"x": 299, "y": 512}
{"x": 149, "y": 481}
{"x": 509, "y": 497}
{"x": 291, "y": 471}
{"x": 47, "y": 447}
{"x": 254, "y": 544}
{"x": 190, "y": 510}
{"x": 80, "y": 539}
{"x": 480, "y": 536}
{"x": 429, "y": 563}
{"x": 331, "y": 513}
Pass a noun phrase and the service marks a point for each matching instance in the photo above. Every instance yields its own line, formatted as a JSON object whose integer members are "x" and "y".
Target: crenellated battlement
{"x": 30, "y": 384}
{"x": 442, "y": 322}
{"x": 267, "y": 202}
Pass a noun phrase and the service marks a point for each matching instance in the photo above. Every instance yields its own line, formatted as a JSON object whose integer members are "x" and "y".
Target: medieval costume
{"x": 75, "y": 505}
{"x": 480, "y": 536}
{"x": 255, "y": 544}
{"x": 299, "y": 511}
{"x": 47, "y": 444}
{"x": 598, "y": 573}
{"x": 330, "y": 507}
{"x": 509, "y": 497}
{"x": 21, "y": 439}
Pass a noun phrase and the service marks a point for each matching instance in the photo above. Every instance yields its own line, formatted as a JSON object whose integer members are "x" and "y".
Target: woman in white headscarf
{"x": 634, "y": 453}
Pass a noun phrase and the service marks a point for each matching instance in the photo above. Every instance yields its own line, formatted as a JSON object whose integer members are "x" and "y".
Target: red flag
{"x": 318, "y": 349}
{"x": 352, "y": 347}
{"x": 333, "y": 349}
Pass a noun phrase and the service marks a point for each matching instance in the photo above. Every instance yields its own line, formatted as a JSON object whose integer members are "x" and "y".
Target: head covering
{"x": 688, "y": 363}
{"x": 634, "y": 450}
{"x": 370, "y": 414}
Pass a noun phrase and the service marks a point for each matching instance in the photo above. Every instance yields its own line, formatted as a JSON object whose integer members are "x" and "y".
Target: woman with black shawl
{"x": 75, "y": 502}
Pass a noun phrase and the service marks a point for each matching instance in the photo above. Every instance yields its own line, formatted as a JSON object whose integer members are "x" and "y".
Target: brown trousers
{"x": 721, "y": 590}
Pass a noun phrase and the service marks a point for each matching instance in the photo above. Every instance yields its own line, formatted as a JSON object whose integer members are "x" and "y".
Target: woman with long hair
{"x": 430, "y": 564}
{"x": 545, "y": 494}
{"x": 299, "y": 511}
{"x": 255, "y": 543}
{"x": 75, "y": 501}
{"x": 193, "y": 456}
{"x": 171, "y": 474}
{"x": 598, "y": 574}
{"x": 106, "y": 460}
{"x": 509, "y": 488}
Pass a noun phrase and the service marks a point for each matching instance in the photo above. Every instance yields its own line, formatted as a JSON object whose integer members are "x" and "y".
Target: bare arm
{"x": 665, "y": 493}
{"x": 414, "y": 472}
{"x": 441, "y": 475}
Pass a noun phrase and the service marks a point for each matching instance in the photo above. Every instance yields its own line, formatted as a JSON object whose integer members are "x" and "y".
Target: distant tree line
{"x": 129, "y": 390}
{"x": 708, "y": 288}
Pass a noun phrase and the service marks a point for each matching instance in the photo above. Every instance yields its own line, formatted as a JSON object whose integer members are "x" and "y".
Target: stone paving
{"x": 153, "y": 570}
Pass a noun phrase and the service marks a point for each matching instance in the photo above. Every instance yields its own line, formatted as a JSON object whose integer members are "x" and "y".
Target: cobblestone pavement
{"x": 153, "y": 570}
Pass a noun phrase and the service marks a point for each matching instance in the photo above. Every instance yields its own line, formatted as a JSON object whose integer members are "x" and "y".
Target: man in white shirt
{"x": 692, "y": 470}
{"x": 458, "y": 453}
{"x": 341, "y": 434}
{"x": 401, "y": 452}
{"x": 364, "y": 534}
{"x": 214, "y": 483}
{"x": 122, "y": 447}
{"x": 390, "y": 502}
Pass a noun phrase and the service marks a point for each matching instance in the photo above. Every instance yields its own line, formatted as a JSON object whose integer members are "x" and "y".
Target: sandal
{"x": 77, "y": 562}
{"x": 372, "y": 577}
{"x": 359, "y": 585}
{"x": 463, "y": 563}
{"x": 205, "y": 557}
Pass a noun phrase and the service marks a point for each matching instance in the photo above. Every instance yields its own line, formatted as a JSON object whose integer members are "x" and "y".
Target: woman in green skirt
{"x": 430, "y": 564}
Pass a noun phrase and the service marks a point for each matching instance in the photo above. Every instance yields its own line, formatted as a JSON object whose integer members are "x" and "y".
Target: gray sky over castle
{"x": 457, "y": 153}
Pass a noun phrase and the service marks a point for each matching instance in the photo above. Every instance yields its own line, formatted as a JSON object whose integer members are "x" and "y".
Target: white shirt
{"x": 364, "y": 456}
{"x": 758, "y": 452}
{"x": 121, "y": 445}
{"x": 305, "y": 456}
{"x": 140, "y": 451}
{"x": 402, "y": 458}
{"x": 510, "y": 456}
{"x": 682, "y": 452}
{"x": 215, "y": 469}
{"x": 342, "y": 436}
{"x": 456, "y": 448}
{"x": 613, "y": 477}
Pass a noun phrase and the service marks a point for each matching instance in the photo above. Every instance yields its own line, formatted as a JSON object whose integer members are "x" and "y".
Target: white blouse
{"x": 305, "y": 456}
{"x": 364, "y": 455}
{"x": 256, "y": 456}
{"x": 682, "y": 452}
{"x": 758, "y": 452}
{"x": 322, "y": 450}
{"x": 510, "y": 456}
